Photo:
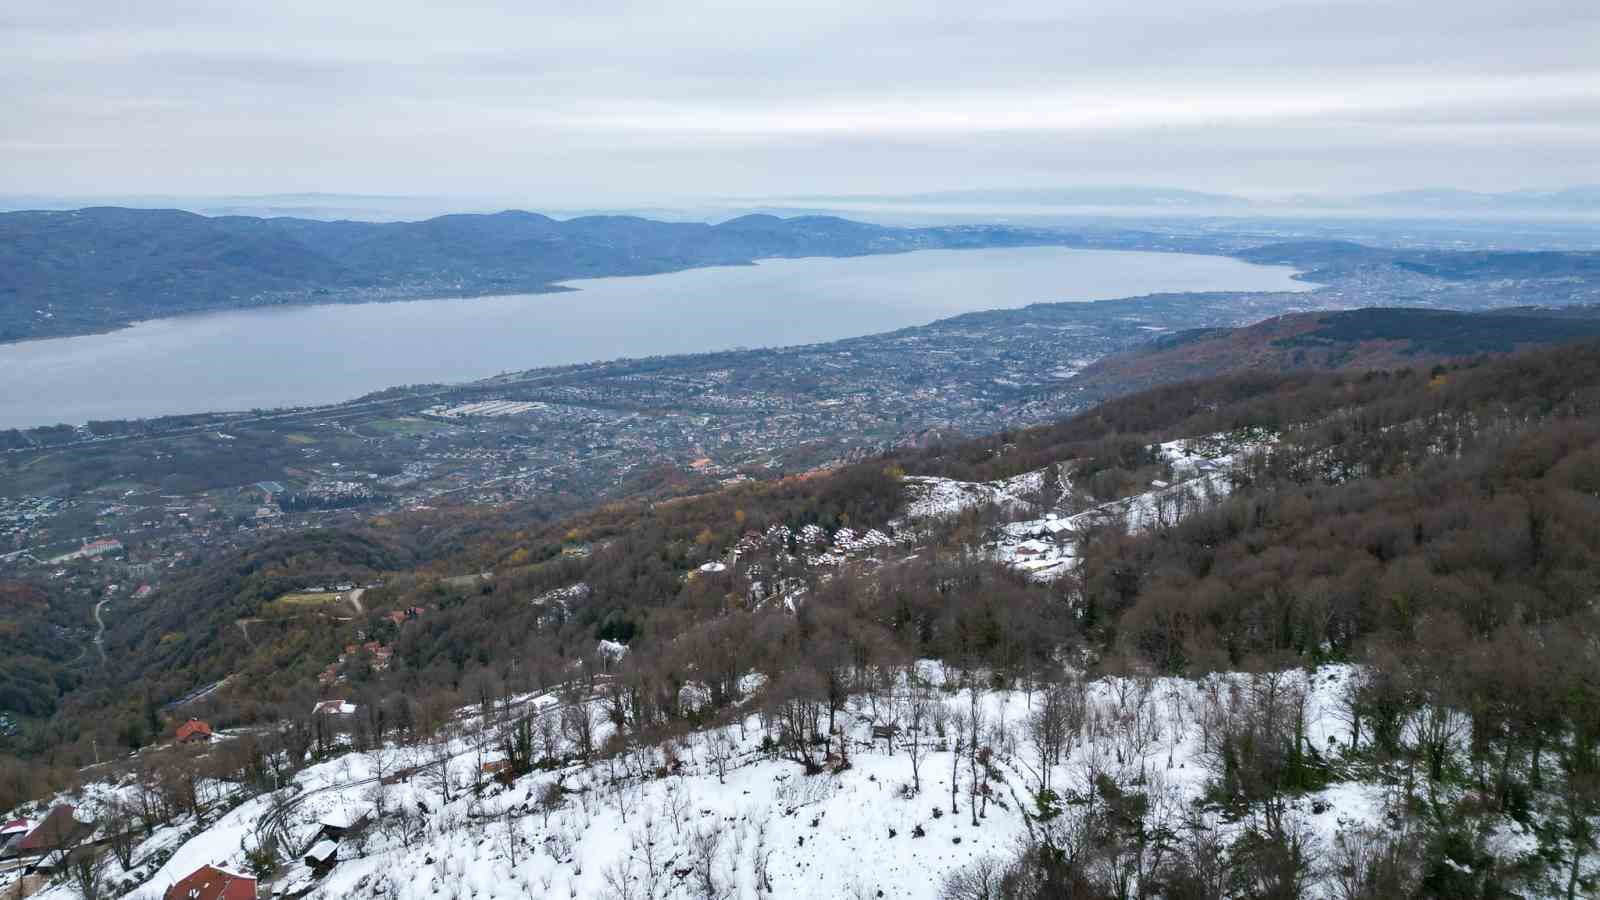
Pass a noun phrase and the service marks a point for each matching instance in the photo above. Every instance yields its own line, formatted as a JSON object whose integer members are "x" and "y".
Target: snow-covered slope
{"x": 932, "y": 497}
{"x": 1202, "y": 473}
{"x": 720, "y": 813}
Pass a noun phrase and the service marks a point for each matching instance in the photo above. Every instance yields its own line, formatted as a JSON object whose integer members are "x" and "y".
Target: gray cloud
{"x": 572, "y": 102}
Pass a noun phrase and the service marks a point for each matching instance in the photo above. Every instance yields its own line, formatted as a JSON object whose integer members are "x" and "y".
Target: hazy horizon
{"x": 618, "y": 104}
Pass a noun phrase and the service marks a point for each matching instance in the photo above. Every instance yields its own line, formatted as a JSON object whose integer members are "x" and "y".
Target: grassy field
{"x": 298, "y": 603}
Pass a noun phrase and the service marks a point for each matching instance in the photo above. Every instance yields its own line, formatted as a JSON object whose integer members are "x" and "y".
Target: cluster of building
{"x": 486, "y": 408}
{"x": 377, "y": 654}
{"x": 90, "y": 550}
{"x": 23, "y": 518}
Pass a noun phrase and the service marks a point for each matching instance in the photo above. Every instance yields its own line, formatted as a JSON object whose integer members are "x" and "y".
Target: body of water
{"x": 301, "y": 355}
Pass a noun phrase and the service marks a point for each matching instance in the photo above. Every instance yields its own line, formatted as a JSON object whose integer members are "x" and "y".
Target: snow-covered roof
{"x": 322, "y": 851}
{"x": 344, "y": 817}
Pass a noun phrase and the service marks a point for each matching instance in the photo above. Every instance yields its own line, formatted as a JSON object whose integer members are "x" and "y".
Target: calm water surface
{"x": 300, "y": 355}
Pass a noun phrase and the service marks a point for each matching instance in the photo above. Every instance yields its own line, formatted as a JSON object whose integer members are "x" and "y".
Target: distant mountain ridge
{"x": 1325, "y": 260}
{"x": 66, "y": 272}
{"x": 1055, "y": 196}
{"x": 1577, "y": 199}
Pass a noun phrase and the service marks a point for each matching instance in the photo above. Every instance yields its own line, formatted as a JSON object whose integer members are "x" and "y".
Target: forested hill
{"x": 64, "y": 272}
{"x": 1354, "y": 340}
{"x": 1325, "y": 261}
{"x": 1513, "y": 441}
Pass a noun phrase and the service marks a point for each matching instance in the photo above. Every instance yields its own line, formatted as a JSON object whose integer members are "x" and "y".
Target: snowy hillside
{"x": 716, "y": 810}
{"x": 1045, "y": 545}
{"x": 930, "y": 497}
{"x": 722, "y": 813}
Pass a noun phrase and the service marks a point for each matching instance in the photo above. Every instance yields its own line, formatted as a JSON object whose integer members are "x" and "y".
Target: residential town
{"x": 120, "y": 502}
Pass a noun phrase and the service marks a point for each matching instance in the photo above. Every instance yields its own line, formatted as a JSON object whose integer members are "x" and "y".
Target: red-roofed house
{"x": 212, "y": 883}
{"x": 401, "y": 616}
{"x": 12, "y": 832}
{"x": 193, "y": 730}
{"x": 338, "y": 708}
{"x": 56, "y": 831}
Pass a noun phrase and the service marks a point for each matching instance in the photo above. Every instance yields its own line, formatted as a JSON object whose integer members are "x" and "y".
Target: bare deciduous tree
{"x": 577, "y": 725}
{"x": 704, "y": 847}
{"x": 118, "y": 826}
{"x": 618, "y": 878}
{"x": 1051, "y": 726}
{"x": 720, "y": 750}
{"x": 981, "y": 879}
{"x": 917, "y": 713}
{"x": 87, "y": 871}
{"x": 511, "y": 834}
{"x": 975, "y": 721}
{"x": 1367, "y": 863}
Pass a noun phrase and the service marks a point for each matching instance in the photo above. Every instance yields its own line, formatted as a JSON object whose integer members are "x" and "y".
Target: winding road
{"x": 100, "y": 632}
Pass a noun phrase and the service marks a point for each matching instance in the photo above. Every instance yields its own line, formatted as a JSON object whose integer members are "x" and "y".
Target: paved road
{"x": 100, "y": 633}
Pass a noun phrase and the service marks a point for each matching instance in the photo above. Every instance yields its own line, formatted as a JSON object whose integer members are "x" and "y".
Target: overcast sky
{"x": 599, "y": 101}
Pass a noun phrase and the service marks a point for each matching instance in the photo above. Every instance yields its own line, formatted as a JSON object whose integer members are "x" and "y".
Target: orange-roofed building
{"x": 193, "y": 730}
{"x": 212, "y": 883}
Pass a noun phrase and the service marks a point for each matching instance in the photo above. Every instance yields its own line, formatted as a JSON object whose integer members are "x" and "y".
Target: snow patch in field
{"x": 933, "y": 497}
{"x": 563, "y": 595}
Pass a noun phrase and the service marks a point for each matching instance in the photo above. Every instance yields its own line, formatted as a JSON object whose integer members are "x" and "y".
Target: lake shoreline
{"x": 407, "y": 395}
{"x": 313, "y": 355}
{"x": 362, "y": 297}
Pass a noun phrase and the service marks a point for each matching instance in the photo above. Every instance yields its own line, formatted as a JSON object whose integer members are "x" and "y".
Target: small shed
{"x": 322, "y": 855}
{"x": 344, "y": 822}
{"x": 1058, "y": 527}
